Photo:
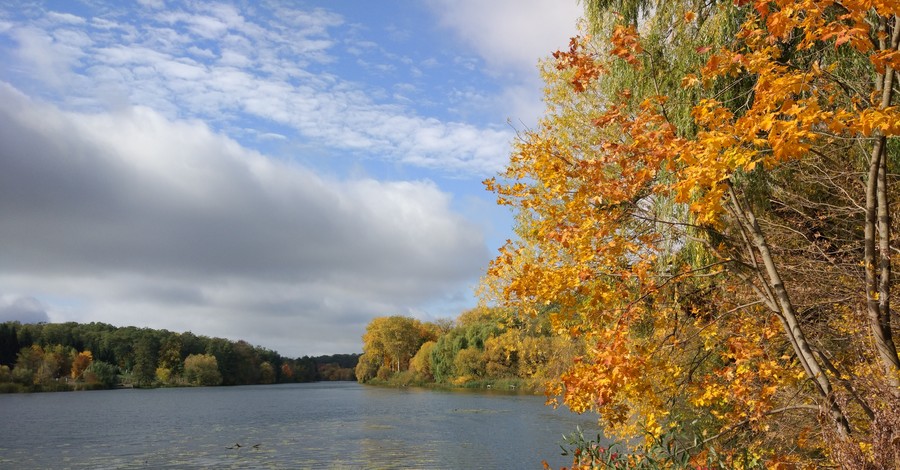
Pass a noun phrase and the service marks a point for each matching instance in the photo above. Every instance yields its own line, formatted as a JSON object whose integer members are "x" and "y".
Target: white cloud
{"x": 217, "y": 64}
{"x": 151, "y": 221}
{"x": 152, "y": 3}
{"x": 511, "y": 36}
{"x": 64, "y": 18}
{"x": 45, "y": 56}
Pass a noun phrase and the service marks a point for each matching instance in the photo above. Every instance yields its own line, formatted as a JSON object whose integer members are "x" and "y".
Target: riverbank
{"x": 515, "y": 385}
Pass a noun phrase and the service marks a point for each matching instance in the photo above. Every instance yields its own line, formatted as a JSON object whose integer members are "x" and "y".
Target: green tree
{"x": 223, "y": 350}
{"x": 101, "y": 374}
{"x": 246, "y": 363}
{"x": 444, "y": 353}
{"x": 28, "y": 362}
{"x": 145, "y": 359}
{"x": 9, "y": 343}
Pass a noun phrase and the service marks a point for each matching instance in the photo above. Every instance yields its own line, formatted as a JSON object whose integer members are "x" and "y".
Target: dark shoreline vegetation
{"x": 48, "y": 357}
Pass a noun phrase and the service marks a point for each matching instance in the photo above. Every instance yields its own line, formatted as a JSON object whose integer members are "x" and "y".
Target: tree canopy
{"x": 707, "y": 205}
{"x": 51, "y": 356}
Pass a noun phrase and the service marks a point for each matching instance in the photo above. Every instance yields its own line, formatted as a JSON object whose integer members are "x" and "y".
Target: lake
{"x": 318, "y": 425}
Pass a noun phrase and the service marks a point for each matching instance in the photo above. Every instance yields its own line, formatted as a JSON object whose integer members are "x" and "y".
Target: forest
{"x": 74, "y": 356}
{"x": 706, "y": 213}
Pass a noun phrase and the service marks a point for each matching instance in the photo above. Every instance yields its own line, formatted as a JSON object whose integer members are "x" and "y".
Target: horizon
{"x": 280, "y": 175}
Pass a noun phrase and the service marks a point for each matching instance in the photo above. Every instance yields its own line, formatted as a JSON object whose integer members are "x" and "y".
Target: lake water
{"x": 320, "y": 425}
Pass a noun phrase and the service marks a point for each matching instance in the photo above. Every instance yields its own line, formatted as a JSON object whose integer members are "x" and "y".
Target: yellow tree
{"x": 389, "y": 344}
{"x": 668, "y": 245}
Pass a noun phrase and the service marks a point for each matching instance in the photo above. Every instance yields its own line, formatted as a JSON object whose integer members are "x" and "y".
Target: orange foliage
{"x": 82, "y": 361}
{"x": 597, "y": 253}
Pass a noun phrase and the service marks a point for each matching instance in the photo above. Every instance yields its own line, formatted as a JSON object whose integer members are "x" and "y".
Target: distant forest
{"x": 75, "y": 356}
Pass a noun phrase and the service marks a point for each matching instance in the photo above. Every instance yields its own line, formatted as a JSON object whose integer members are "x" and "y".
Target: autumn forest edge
{"x": 706, "y": 234}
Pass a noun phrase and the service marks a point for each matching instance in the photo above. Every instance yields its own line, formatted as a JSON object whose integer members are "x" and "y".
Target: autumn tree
{"x": 420, "y": 364}
{"x": 170, "y": 363}
{"x": 287, "y": 372}
{"x": 389, "y": 344}
{"x": 266, "y": 373}
{"x": 81, "y": 362}
{"x": 202, "y": 369}
{"x": 707, "y": 204}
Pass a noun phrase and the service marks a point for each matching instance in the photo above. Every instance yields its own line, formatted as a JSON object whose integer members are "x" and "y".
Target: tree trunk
{"x": 878, "y": 233}
{"x": 788, "y": 316}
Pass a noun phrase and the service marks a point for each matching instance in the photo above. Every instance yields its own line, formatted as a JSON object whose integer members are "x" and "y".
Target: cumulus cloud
{"x": 143, "y": 219}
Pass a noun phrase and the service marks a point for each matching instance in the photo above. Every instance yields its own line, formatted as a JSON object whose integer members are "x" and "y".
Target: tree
{"x": 444, "y": 352}
{"x": 81, "y": 362}
{"x": 28, "y": 362}
{"x": 170, "y": 357}
{"x": 469, "y": 364}
{"x": 9, "y": 343}
{"x": 202, "y": 369}
{"x": 246, "y": 363}
{"x": 101, "y": 374}
{"x": 163, "y": 375}
{"x": 367, "y": 367}
{"x": 224, "y": 352}
{"x": 145, "y": 360}
{"x": 421, "y": 362}
{"x": 266, "y": 373}
{"x": 287, "y": 372}
{"x": 389, "y": 344}
{"x": 689, "y": 207}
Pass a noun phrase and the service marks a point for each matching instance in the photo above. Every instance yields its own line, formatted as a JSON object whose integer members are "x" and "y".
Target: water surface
{"x": 321, "y": 425}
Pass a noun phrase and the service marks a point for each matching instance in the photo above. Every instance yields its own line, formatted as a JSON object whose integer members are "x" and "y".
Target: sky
{"x": 277, "y": 172}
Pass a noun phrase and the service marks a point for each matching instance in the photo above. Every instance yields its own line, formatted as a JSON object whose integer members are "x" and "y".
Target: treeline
{"x": 483, "y": 346}
{"x": 64, "y": 356}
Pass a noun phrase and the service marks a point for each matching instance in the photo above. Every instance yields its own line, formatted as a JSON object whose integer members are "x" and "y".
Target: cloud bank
{"x": 136, "y": 217}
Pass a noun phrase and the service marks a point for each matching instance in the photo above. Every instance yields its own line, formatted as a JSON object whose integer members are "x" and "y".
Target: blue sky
{"x": 280, "y": 172}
